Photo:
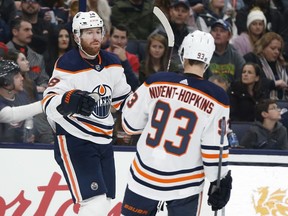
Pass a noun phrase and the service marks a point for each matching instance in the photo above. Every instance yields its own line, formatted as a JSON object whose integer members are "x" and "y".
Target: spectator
{"x": 267, "y": 132}
{"x": 226, "y": 61}
{"x": 40, "y": 27}
{"x": 156, "y": 59}
{"x": 256, "y": 27}
{"x": 117, "y": 43}
{"x": 220, "y": 81}
{"x": 247, "y": 92}
{"x": 54, "y": 11}
{"x": 268, "y": 54}
{"x": 273, "y": 16}
{"x": 121, "y": 53}
{"x": 23, "y": 63}
{"x": 15, "y": 105}
{"x": 42, "y": 130}
{"x": 3, "y": 50}
{"x": 59, "y": 43}
{"x": 179, "y": 17}
{"x": 7, "y": 11}
{"x": 213, "y": 11}
{"x": 22, "y": 35}
{"x": 103, "y": 9}
{"x": 137, "y": 15}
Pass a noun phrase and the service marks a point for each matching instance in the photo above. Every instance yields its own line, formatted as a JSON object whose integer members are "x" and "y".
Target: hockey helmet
{"x": 8, "y": 69}
{"x": 198, "y": 45}
{"x": 84, "y": 20}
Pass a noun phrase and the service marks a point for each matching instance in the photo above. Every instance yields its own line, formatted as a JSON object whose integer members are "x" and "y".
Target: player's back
{"x": 179, "y": 115}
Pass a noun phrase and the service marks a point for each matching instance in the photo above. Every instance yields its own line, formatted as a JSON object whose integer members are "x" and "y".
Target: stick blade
{"x": 164, "y": 21}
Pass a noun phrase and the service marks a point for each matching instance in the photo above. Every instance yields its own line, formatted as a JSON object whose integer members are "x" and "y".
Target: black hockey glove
{"x": 218, "y": 197}
{"x": 76, "y": 101}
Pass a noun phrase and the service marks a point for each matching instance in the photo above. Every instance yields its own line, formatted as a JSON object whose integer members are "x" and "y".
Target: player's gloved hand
{"x": 76, "y": 101}
{"x": 218, "y": 197}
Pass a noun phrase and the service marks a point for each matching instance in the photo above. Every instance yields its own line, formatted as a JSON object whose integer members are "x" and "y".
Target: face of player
{"x": 179, "y": 14}
{"x": 91, "y": 40}
{"x": 272, "y": 51}
{"x": 63, "y": 39}
{"x": 249, "y": 75}
{"x": 118, "y": 38}
{"x": 157, "y": 49}
{"x": 23, "y": 63}
{"x": 24, "y": 34}
{"x": 257, "y": 27}
{"x": 18, "y": 82}
{"x": 220, "y": 35}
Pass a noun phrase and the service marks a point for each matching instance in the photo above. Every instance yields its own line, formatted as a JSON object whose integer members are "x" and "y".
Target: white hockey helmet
{"x": 199, "y": 46}
{"x": 84, "y": 20}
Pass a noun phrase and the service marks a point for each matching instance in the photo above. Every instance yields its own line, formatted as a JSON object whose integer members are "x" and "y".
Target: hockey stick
{"x": 223, "y": 132}
{"x": 170, "y": 35}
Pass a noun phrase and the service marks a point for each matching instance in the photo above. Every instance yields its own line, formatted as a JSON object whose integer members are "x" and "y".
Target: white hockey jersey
{"x": 179, "y": 117}
{"x": 104, "y": 76}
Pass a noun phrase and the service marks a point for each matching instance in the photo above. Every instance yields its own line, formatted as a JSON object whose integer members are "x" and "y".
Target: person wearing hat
{"x": 214, "y": 10}
{"x": 256, "y": 25}
{"x": 226, "y": 61}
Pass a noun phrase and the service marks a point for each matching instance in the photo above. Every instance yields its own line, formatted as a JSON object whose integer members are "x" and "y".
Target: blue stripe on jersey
{"x": 84, "y": 130}
{"x": 129, "y": 126}
{"x": 213, "y": 147}
{"x": 215, "y": 164}
{"x": 170, "y": 188}
{"x": 205, "y": 86}
{"x": 167, "y": 173}
{"x": 106, "y": 127}
{"x": 121, "y": 98}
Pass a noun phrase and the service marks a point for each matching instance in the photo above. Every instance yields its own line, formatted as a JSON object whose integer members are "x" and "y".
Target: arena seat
{"x": 240, "y": 128}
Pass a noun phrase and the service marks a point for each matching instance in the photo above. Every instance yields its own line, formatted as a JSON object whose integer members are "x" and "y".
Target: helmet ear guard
{"x": 197, "y": 46}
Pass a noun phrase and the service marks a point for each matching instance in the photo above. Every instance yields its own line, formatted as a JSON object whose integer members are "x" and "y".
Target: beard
{"x": 92, "y": 48}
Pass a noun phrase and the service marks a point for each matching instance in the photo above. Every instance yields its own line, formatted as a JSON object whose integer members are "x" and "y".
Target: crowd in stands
{"x": 249, "y": 62}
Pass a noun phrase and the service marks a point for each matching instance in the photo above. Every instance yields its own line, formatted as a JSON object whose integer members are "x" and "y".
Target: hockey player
{"x": 178, "y": 116}
{"x": 84, "y": 85}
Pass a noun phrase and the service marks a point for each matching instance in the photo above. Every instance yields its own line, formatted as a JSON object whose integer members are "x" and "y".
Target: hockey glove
{"x": 218, "y": 197}
{"x": 76, "y": 101}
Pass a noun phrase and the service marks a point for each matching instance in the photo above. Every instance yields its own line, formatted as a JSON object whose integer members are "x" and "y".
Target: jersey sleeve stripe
{"x": 166, "y": 188}
{"x": 215, "y": 164}
{"x": 69, "y": 168}
{"x": 98, "y": 130}
{"x": 128, "y": 129}
{"x": 182, "y": 171}
{"x": 162, "y": 180}
{"x": 85, "y": 131}
{"x": 213, "y": 156}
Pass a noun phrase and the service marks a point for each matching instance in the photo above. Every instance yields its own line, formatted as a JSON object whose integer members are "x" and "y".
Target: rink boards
{"x": 31, "y": 182}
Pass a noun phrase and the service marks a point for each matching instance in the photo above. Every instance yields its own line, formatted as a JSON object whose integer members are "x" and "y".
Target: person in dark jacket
{"x": 267, "y": 132}
{"x": 247, "y": 92}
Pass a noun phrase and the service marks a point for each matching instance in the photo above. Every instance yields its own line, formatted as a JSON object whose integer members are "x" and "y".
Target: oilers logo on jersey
{"x": 103, "y": 106}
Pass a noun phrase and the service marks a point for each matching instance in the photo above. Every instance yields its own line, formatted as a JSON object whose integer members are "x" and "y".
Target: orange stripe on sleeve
{"x": 172, "y": 180}
{"x": 98, "y": 130}
{"x": 212, "y": 156}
